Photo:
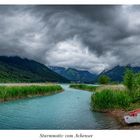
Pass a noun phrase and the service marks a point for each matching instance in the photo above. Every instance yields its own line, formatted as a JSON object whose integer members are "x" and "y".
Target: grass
{"x": 15, "y": 92}
{"x": 110, "y": 99}
{"x": 119, "y": 87}
{"x": 133, "y": 106}
{"x": 83, "y": 87}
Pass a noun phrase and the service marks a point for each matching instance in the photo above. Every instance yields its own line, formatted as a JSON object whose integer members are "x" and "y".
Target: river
{"x": 67, "y": 110}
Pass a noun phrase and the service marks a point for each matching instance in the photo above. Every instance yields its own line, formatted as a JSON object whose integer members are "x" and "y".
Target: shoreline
{"x": 30, "y": 96}
{"x": 18, "y": 91}
{"x": 118, "y": 115}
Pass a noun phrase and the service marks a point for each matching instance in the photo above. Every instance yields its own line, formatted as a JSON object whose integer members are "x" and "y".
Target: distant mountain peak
{"x": 75, "y": 75}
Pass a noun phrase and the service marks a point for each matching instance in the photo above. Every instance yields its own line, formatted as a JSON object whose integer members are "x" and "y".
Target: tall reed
{"x": 110, "y": 99}
{"x": 15, "y": 92}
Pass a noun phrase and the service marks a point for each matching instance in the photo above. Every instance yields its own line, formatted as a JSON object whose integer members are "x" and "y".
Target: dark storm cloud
{"x": 100, "y": 36}
{"x": 87, "y": 22}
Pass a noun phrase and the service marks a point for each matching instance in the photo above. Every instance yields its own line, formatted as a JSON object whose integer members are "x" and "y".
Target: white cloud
{"x": 72, "y": 53}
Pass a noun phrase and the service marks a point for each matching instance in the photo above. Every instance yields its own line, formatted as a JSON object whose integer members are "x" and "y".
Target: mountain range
{"x": 16, "y": 69}
{"x": 75, "y": 75}
{"x": 117, "y": 73}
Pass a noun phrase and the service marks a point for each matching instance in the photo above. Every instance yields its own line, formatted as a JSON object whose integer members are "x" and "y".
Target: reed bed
{"x": 110, "y": 99}
{"x": 84, "y": 87}
{"x": 15, "y": 92}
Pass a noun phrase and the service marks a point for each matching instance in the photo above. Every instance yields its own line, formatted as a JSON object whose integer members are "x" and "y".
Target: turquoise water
{"x": 67, "y": 110}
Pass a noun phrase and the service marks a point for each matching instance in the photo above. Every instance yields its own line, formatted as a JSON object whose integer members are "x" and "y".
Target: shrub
{"x": 104, "y": 79}
{"x": 132, "y": 82}
{"x": 129, "y": 79}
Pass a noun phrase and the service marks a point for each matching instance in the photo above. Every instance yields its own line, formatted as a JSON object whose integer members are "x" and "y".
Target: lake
{"x": 67, "y": 110}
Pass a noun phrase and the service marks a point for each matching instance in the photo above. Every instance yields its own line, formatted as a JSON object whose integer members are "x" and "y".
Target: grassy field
{"x": 16, "y": 91}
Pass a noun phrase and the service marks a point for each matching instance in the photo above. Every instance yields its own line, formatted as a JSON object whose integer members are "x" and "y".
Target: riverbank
{"x": 118, "y": 115}
{"x": 17, "y": 91}
{"x": 113, "y": 100}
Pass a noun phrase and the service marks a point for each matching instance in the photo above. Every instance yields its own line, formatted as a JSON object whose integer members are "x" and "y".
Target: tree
{"x": 136, "y": 86}
{"x": 104, "y": 79}
{"x": 129, "y": 79}
{"x": 137, "y": 80}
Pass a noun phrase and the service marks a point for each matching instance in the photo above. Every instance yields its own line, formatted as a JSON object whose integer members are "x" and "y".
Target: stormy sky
{"x": 91, "y": 37}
